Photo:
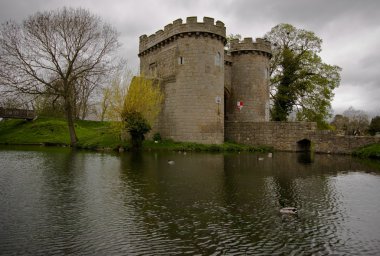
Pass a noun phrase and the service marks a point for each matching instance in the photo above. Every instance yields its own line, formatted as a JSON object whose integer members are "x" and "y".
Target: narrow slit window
{"x": 181, "y": 60}
{"x": 218, "y": 59}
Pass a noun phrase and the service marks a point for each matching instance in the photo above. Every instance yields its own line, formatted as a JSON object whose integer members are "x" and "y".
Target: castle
{"x": 204, "y": 85}
{"x": 212, "y": 94}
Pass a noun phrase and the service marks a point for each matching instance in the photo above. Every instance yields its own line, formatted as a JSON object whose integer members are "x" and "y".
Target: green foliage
{"x": 157, "y": 137}
{"x": 300, "y": 81}
{"x": 145, "y": 97}
{"x": 374, "y": 127}
{"x": 370, "y": 151}
{"x": 137, "y": 126}
{"x": 142, "y": 104}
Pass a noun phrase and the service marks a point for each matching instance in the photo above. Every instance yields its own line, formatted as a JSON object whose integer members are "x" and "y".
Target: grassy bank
{"x": 370, "y": 151}
{"x": 95, "y": 135}
{"x": 54, "y": 131}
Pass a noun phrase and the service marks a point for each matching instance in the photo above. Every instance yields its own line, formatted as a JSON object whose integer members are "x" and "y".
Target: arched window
{"x": 218, "y": 59}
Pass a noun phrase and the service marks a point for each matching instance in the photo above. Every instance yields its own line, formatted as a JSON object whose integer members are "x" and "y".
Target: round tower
{"x": 249, "y": 96}
{"x": 188, "y": 60}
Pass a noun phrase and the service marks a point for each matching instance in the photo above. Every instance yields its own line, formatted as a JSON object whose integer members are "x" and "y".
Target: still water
{"x": 64, "y": 202}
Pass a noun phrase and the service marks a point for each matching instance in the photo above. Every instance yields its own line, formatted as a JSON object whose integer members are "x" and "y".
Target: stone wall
{"x": 249, "y": 80}
{"x": 286, "y": 136}
{"x": 179, "y": 29}
{"x": 188, "y": 59}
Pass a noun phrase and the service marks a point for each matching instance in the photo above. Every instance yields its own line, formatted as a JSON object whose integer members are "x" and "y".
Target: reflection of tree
{"x": 62, "y": 175}
{"x": 173, "y": 201}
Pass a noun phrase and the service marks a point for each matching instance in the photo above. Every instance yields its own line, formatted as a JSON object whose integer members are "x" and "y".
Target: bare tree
{"x": 84, "y": 90}
{"x": 351, "y": 122}
{"x": 358, "y": 121}
{"x": 113, "y": 93}
{"x": 53, "y": 52}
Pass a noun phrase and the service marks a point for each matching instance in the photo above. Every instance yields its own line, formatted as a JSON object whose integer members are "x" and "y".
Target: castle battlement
{"x": 179, "y": 29}
{"x": 248, "y": 45}
{"x": 204, "y": 83}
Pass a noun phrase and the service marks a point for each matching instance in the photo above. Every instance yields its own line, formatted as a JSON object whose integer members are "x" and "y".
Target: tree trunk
{"x": 70, "y": 121}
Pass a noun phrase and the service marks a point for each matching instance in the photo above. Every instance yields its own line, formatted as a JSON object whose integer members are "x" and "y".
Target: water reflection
{"x": 305, "y": 157}
{"x": 69, "y": 202}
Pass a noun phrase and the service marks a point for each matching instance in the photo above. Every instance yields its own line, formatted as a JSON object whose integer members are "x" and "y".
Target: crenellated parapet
{"x": 227, "y": 58}
{"x": 247, "y": 45}
{"x": 172, "y": 31}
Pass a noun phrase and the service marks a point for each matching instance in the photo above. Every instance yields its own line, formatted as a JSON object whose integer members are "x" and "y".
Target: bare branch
{"x": 57, "y": 53}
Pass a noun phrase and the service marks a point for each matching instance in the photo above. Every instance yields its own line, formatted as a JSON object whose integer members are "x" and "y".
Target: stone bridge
{"x": 294, "y": 136}
{"x": 17, "y": 113}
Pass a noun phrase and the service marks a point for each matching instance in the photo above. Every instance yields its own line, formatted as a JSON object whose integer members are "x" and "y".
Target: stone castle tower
{"x": 202, "y": 83}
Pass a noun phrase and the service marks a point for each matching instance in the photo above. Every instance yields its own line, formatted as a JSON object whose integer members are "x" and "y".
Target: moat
{"x": 56, "y": 201}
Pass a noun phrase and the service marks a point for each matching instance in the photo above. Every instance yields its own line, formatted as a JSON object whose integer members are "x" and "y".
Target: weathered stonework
{"x": 200, "y": 81}
{"x": 288, "y": 136}
{"x": 249, "y": 80}
{"x": 203, "y": 83}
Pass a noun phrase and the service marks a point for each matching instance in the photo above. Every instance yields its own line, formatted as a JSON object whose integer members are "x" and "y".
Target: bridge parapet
{"x": 17, "y": 113}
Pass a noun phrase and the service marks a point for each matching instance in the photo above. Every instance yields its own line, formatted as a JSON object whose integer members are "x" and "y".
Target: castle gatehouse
{"x": 205, "y": 84}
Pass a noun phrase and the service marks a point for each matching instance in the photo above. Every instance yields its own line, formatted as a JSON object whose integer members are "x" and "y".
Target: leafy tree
{"x": 57, "y": 53}
{"x": 141, "y": 107}
{"x": 144, "y": 96}
{"x": 374, "y": 127}
{"x": 300, "y": 81}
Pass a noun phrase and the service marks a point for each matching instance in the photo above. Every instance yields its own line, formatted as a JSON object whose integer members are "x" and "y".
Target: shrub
{"x": 137, "y": 126}
{"x": 157, "y": 137}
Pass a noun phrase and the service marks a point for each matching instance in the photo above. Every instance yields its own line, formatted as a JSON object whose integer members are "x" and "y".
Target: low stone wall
{"x": 331, "y": 143}
{"x": 286, "y": 136}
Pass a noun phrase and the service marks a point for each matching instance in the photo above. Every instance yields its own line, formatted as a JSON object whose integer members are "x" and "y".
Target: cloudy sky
{"x": 350, "y": 30}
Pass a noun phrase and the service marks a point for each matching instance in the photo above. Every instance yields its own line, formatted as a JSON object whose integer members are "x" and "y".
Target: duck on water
{"x": 288, "y": 210}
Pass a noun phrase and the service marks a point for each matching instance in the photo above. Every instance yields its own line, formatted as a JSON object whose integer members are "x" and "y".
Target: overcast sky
{"x": 350, "y": 30}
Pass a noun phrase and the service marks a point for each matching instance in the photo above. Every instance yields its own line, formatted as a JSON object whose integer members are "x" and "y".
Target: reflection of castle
{"x": 203, "y": 85}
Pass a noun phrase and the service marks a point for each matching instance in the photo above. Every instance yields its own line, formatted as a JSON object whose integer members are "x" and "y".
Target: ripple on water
{"x": 84, "y": 204}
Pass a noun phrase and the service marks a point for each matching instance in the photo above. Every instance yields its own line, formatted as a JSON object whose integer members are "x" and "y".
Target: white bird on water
{"x": 171, "y": 162}
{"x": 288, "y": 210}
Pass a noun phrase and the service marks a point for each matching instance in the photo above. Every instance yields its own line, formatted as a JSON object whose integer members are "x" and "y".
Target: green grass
{"x": 96, "y": 135}
{"x": 370, "y": 151}
{"x": 54, "y": 131}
